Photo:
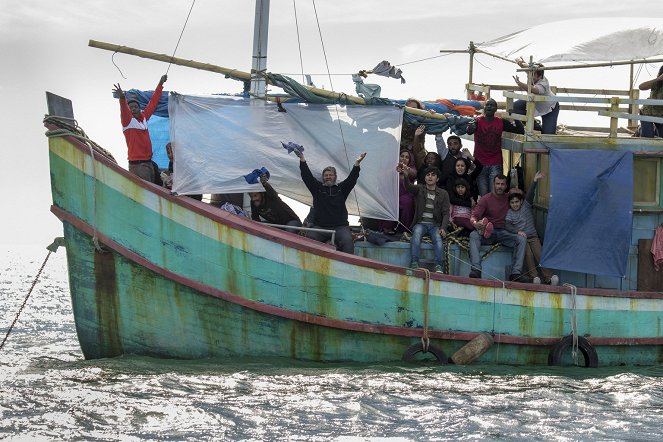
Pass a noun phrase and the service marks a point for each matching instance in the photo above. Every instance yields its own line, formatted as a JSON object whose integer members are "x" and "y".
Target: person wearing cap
{"x": 329, "y": 211}
{"x": 270, "y": 207}
{"x": 431, "y": 216}
{"x": 134, "y": 127}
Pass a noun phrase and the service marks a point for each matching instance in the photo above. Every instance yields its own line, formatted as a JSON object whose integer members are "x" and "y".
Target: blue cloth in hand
{"x": 254, "y": 176}
{"x": 292, "y": 147}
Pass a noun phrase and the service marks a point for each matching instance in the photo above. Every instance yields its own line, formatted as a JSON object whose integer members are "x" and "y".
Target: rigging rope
{"x": 299, "y": 44}
{"x": 181, "y": 33}
{"x": 338, "y": 118}
{"x": 115, "y": 64}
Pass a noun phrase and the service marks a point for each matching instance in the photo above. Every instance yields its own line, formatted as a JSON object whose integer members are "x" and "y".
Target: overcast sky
{"x": 44, "y": 47}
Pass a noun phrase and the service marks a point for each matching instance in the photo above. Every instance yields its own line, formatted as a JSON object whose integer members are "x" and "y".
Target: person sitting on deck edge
{"x": 494, "y": 206}
{"x": 271, "y": 207}
{"x": 432, "y": 214}
{"x": 329, "y": 211}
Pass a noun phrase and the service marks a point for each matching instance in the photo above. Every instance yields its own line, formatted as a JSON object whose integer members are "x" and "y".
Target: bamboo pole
{"x": 598, "y": 65}
{"x": 232, "y": 73}
{"x": 238, "y": 75}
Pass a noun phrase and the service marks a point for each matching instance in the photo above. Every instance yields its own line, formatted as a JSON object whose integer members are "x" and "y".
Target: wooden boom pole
{"x": 236, "y": 74}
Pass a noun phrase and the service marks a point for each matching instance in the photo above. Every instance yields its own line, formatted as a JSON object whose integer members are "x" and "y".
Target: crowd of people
{"x": 441, "y": 191}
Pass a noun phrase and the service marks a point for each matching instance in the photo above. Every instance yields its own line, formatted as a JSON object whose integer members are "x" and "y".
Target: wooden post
{"x": 614, "y": 107}
{"x": 531, "y": 105}
{"x": 471, "y": 51}
{"x": 633, "y": 94}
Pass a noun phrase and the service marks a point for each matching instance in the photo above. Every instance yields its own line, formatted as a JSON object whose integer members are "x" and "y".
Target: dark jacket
{"x": 329, "y": 201}
{"x": 440, "y": 205}
{"x": 273, "y": 209}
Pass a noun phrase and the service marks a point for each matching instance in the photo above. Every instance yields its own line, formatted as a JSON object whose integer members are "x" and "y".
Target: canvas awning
{"x": 583, "y": 40}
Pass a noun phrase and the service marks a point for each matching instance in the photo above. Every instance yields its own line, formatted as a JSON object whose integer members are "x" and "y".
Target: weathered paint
{"x": 290, "y": 297}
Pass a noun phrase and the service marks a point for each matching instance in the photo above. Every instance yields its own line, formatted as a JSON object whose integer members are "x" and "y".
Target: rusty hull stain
{"x": 107, "y": 303}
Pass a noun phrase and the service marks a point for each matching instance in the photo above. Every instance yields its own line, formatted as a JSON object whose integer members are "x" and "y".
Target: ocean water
{"x": 49, "y": 392}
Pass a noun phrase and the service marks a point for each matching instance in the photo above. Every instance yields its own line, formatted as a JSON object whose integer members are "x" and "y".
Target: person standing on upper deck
{"x": 547, "y": 110}
{"x": 134, "y": 126}
{"x": 329, "y": 211}
{"x": 487, "y": 131}
{"x": 647, "y": 128}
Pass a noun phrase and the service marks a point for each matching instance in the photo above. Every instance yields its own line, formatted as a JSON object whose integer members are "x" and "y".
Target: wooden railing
{"x": 612, "y": 103}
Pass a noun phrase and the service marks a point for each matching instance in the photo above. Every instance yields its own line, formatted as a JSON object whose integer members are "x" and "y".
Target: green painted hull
{"x": 182, "y": 279}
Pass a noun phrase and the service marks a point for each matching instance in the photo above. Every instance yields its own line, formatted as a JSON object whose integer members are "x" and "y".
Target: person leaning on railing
{"x": 647, "y": 128}
{"x": 547, "y": 110}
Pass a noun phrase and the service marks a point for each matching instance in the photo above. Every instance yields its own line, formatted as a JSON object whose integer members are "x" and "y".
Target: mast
{"x": 259, "y": 59}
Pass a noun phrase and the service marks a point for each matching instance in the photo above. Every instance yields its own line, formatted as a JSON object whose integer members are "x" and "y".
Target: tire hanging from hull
{"x": 587, "y": 350}
{"x": 411, "y": 352}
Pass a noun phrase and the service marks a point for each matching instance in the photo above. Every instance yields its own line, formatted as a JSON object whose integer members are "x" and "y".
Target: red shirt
{"x": 488, "y": 141}
{"x": 135, "y": 130}
{"x": 492, "y": 207}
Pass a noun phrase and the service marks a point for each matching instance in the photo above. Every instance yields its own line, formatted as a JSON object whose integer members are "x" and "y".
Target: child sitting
{"x": 520, "y": 220}
{"x": 461, "y": 209}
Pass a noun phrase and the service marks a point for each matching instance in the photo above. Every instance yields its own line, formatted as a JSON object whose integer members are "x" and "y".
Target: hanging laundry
{"x": 366, "y": 90}
{"x": 385, "y": 69}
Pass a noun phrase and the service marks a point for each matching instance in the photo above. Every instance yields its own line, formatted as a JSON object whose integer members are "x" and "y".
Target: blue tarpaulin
{"x": 589, "y": 221}
{"x": 160, "y": 136}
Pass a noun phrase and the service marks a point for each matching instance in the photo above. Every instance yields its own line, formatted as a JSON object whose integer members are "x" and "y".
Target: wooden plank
{"x": 572, "y": 90}
{"x": 631, "y": 116}
{"x": 649, "y": 280}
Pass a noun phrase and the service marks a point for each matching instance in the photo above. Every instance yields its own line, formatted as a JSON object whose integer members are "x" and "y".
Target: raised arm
{"x": 418, "y": 149}
{"x": 650, "y": 83}
{"x": 529, "y": 197}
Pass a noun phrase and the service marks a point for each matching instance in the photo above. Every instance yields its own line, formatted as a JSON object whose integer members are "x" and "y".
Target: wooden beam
{"x": 237, "y": 74}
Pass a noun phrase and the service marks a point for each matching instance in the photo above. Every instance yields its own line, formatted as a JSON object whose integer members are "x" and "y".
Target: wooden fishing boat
{"x": 156, "y": 274}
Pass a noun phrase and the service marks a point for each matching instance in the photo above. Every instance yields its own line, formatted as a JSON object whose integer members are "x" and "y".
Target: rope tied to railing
{"x": 76, "y": 132}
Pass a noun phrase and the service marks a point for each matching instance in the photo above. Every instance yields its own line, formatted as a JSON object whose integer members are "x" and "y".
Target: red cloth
{"x": 135, "y": 131}
{"x": 657, "y": 247}
{"x": 462, "y": 109}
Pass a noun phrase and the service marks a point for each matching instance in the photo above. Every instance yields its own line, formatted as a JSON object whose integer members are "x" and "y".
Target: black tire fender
{"x": 587, "y": 350}
{"x": 409, "y": 354}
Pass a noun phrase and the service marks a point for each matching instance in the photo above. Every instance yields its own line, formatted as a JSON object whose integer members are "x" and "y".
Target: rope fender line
{"x": 425, "y": 340}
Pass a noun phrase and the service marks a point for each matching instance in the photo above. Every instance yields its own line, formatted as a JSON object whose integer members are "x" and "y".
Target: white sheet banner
{"x": 218, "y": 140}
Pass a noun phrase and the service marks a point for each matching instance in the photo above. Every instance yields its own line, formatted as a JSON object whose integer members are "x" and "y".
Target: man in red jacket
{"x": 134, "y": 126}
